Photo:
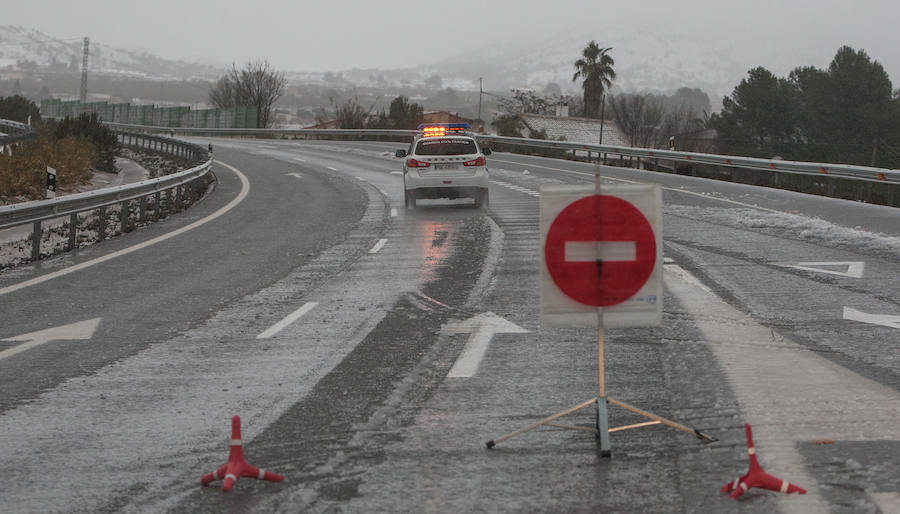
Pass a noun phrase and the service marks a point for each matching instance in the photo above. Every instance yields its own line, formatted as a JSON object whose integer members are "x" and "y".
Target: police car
{"x": 444, "y": 161}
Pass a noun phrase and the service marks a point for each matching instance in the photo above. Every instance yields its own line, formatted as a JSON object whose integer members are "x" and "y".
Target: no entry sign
{"x": 601, "y": 250}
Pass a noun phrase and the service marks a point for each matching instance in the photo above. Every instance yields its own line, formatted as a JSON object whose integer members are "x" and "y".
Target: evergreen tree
{"x": 405, "y": 115}
{"x": 595, "y": 68}
{"x": 18, "y": 108}
{"x": 759, "y": 118}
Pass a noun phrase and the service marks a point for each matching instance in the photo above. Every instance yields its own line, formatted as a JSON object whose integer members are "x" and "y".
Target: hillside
{"x": 27, "y": 49}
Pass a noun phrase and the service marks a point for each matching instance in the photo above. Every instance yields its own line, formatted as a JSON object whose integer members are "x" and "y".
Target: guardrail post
{"x": 156, "y": 212}
{"x": 73, "y": 228}
{"x": 36, "y": 241}
{"x": 123, "y": 217}
{"x": 178, "y": 197}
{"x": 101, "y": 232}
{"x": 142, "y": 209}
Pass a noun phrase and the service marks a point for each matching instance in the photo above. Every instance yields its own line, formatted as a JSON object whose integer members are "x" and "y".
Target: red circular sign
{"x": 620, "y": 270}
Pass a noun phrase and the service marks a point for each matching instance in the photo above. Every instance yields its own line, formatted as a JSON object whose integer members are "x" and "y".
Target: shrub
{"x": 23, "y": 176}
{"x": 88, "y": 126}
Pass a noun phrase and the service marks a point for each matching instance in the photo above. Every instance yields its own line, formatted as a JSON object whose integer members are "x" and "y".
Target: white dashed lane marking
{"x": 292, "y": 317}
{"x": 519, "y": 189}
{"x": 378, "y": 246}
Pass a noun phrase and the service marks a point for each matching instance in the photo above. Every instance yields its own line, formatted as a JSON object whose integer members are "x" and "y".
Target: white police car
{"x": 445, "y": 161}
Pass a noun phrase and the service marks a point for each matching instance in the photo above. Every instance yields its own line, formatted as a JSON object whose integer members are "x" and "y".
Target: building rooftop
{"x": 577, "y": 130}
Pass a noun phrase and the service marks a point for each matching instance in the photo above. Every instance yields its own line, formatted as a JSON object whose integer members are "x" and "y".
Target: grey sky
{"x": 333, "y": 35}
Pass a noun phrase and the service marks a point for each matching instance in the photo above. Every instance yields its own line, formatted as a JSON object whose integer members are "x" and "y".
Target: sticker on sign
{"x": 601, "y": 253}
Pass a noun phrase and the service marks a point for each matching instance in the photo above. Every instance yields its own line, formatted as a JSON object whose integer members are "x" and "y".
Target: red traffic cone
{"x": 756, "y": 477}
{"x": 237, "y": 467}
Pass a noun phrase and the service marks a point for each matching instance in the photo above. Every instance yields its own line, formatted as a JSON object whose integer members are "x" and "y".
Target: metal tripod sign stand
{"x": 601, "y": 267}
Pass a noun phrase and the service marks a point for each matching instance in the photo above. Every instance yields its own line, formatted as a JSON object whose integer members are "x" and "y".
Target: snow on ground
{"x": 793, "y": 226}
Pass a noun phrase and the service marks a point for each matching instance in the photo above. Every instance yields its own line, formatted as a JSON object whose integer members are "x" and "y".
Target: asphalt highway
{"x": 371, "y": 351}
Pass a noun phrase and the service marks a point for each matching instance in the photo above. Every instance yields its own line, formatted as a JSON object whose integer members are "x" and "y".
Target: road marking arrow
{"x": 482, "y": 329}
{"x": 885, "y": 320}
{"x": 855, "y": 269}
{"x": 80, "y": 331}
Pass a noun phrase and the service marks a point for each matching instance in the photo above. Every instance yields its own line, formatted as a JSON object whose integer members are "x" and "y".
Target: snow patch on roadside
{"x": 793, "y": 226}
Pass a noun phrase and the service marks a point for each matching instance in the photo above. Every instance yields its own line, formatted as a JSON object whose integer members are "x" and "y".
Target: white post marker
{"x": 51, "y": 182}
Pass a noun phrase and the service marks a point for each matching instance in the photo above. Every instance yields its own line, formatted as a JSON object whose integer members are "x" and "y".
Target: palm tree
{"x": 596, "y": 68}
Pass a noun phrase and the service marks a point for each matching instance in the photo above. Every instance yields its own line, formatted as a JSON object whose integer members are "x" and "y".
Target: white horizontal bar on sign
{"x": 591, "y": 251}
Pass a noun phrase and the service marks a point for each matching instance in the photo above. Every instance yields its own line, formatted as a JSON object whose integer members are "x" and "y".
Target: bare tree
{"x": 255, "y": 85}
{"x": 526, "y": 101}
{"x": 351, "y": 115}
{"x": 640, "y": 116}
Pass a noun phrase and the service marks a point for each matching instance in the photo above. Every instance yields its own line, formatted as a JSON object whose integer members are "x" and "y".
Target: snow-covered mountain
{"x": 650, "y": 54}
{"x": 22, "y": 47}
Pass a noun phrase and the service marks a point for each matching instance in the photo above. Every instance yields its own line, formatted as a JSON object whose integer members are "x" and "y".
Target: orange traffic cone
{"x": 237, "y": 467}
{"x": 756, "y": 477}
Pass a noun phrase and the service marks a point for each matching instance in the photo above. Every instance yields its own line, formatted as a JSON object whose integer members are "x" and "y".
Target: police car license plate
{"x": 439, "y": 166}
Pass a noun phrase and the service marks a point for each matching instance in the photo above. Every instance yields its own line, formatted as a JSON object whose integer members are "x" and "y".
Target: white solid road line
{"x": 884, "y": 320}
{"x": 378, "y": 246}
{"x": 786, "y": 407}
{"x": 245, "y": 188}
{"x": 292, "y": 317}
{"x": 855, "y": 269}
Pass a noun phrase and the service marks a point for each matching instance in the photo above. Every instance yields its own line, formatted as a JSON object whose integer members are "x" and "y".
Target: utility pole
{"x": 84, "y": 71}
{"x": 602, "y": 115}
{"x": 480, "y": 92}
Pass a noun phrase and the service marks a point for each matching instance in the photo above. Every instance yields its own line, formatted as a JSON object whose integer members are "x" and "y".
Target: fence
{"x": 152, "y": 115}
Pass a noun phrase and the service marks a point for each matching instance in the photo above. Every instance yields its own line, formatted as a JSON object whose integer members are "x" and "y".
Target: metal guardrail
{"x": 835, "y": 170}
{"x": 38, "y": 211}
{"x": 14, "y": 131}
{"x": 808, "y": 168}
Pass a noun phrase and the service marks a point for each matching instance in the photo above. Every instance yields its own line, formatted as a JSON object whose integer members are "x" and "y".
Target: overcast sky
{"x": 318, "y": 35}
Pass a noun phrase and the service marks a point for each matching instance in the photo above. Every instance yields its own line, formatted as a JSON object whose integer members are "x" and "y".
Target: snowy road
{"x": 332, "y": 321}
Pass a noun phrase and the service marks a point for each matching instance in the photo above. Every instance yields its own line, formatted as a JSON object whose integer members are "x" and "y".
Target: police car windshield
{"x": 441, "y": 146}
